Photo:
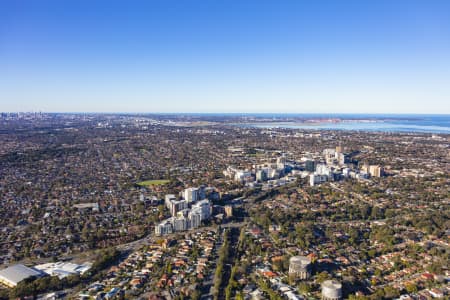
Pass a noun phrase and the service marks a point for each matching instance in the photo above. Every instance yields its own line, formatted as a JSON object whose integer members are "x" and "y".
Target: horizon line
{"x": 228, "y": 113}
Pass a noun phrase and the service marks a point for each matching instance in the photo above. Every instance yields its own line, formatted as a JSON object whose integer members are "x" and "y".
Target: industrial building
{"x": 63, "y": 269}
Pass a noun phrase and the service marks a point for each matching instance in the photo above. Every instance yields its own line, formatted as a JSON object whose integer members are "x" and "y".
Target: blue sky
{"x": 225, "y": 56}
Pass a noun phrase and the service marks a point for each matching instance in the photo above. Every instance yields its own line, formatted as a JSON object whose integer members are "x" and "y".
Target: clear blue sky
{"x": 387, "y": 56}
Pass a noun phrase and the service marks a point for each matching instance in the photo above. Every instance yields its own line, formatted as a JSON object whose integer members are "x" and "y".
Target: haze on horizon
{"x": 225, "y": 56}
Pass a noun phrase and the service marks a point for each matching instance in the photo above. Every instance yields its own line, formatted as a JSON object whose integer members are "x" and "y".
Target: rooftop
{"x": 13, "y": 275}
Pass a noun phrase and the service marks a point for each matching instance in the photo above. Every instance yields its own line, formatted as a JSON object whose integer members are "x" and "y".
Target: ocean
{"x": 358, "y": 122}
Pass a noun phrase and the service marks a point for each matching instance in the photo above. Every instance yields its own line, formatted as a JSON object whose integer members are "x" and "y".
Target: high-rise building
{"x": 176, "y": 206}
{"x": 195, "y": 219}
{"x": 165, "y": 227}
{"x": 191, "y": 195}
{"x": 203, "y": 208}
{"x": 346, "y": 172}
{"x": 228, "y": 210}
{"x": 330, "y": 155}
{"x": 322, "y": 169}
{"x": 274, "y": 173}
{"x": 281, "y": 162}
{"x": 365, "y": 168}
{"x": 316, "y": 179}
{"x": 242, "y": 175}
{"x": 261, "y": 175}
{"x": 183, "y": 218}
{"x": 168, "y": 199}
{"x": 375, "y": 171}
{"x": 310, "y": 165}
{"x": 180, "y": 223}
{"x": 202, "y": 192}
{"x": 340, "y": 157}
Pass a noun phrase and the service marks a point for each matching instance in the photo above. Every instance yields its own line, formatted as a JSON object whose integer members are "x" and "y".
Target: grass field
{"x": 153, "y": 182}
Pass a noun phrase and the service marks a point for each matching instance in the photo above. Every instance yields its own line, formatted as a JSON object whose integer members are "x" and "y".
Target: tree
{"x": 378, "y": 273}
{"x": 354, "y": 297}
{"x": 304, "y": 288}
{"x": 239, "y": 296}
{"x": 195, "y": 295}
{"x": 391, "y": 293}
{"x": 411, "y": 288}
{"x": 4, "y": 295}
{"x": 323, "y": 276}
{"x": 379, "y": 294}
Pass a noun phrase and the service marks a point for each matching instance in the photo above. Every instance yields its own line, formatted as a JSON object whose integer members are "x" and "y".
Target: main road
{"x": 135, "y": 245}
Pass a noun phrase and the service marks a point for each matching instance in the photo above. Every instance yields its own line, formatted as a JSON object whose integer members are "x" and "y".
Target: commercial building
{"x": 242, "y": 175}
{"x": 340, "y": 157}
{"x": 274, "y": 173}
{"x": 330, "y": 155}
{"x": 63, "y": 269}
{"x": 316, "y": 179}
{"x": 375, "y": 171}
{"x": 322, "y": 169}
{"x": 334, "y": 156}
{"x": 310, "y": 165}
{"x": 261, "y": 175}
{"x": 11, "y": 276}
{"x": 87, "y": 206}
{"x": 346, "y": 172}
{"x": 365, "y": 168}
{"x": 281, "y": 162}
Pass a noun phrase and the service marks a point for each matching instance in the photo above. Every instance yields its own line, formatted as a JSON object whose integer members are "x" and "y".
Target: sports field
{"x": 147, "y": 183}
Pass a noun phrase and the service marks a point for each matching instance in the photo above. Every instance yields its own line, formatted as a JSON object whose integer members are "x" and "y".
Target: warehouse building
{"x": 11, "y": 276}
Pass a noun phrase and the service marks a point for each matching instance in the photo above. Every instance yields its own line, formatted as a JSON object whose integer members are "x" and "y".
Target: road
{"x": 209, "y": 282}
{"x": 360, "y": 197}
{"x": 135, "y": 245}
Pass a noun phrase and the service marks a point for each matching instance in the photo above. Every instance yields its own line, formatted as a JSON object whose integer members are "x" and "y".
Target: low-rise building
{"x": 11, "y": 276}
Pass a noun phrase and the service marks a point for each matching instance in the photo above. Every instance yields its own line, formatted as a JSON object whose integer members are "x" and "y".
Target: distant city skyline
{"x": 225, "y": 56}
